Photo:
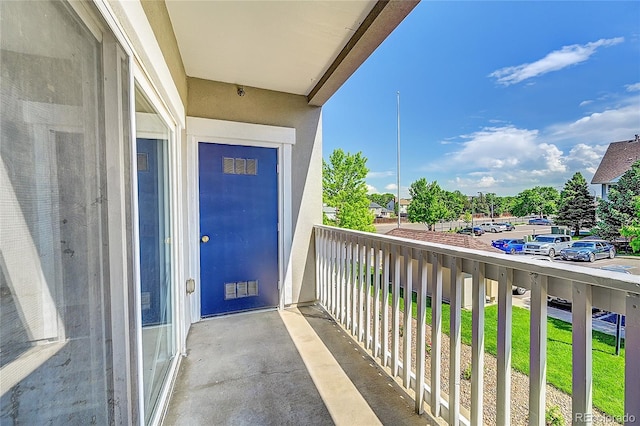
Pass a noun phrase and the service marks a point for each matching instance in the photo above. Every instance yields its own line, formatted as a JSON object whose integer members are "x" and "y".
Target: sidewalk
{"x": 562, "y": 315}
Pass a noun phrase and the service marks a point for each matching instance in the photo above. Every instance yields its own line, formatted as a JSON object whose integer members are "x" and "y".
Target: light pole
{"x": 398, "y": 146}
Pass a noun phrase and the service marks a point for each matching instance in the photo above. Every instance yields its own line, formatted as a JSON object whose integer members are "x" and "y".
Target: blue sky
{"x": 494, "y": 96}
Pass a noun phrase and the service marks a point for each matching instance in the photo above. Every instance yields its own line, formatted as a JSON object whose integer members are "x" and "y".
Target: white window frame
{"x": 141, "y": 80}
{"x": 247, "y": 134}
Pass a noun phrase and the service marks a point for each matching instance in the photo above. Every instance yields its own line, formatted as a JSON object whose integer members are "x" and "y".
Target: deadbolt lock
{"x": 205, "y": 238}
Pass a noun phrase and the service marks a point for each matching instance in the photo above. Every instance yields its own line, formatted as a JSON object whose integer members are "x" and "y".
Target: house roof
{"x": 307, "y": 48}
{"x": 373, "y": 205}
{"x": 617, "y": 160}
{"x": 447, "y": 238}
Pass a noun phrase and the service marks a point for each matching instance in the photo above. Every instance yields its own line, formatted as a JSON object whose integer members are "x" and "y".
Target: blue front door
{"x": 238, "y": 228}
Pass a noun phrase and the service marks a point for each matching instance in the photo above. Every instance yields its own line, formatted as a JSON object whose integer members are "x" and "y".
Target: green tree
{"x": 427, "y": 205}
{"x": 632, "y": 231}
{"x": 618, "y": 210}
{"x": 577, "y": 209}
{"x": 344, "y": 187}
{"x": 541, "y": 200}
{"x": 454, "y": 201}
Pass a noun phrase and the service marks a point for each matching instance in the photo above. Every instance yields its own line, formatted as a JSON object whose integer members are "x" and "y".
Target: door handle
{"x": 205, "y": 239}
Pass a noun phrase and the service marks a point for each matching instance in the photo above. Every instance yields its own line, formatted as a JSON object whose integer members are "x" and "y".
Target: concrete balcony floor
{"x": 291, "y": 367}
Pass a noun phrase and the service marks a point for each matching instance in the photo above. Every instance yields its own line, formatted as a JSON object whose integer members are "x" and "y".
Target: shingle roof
{"x": 617, "y": 160}
{"x": 457, "y": 240}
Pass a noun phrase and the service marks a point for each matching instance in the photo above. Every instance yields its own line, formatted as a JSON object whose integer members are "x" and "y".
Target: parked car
{"x": 521, "y": 290}
{"x": 511, "y": 246}
{"x": 588, "y": 251}
{"x": 491, "y": 227}
{"x": 548, "y": 245}
{"x": 476, "y": 230}
{"x": 539, "y": 221}
{"x": 507, "y": 226}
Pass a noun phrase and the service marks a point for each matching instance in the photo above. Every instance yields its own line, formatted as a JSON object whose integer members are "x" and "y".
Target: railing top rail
{"x": 592, "y": 276}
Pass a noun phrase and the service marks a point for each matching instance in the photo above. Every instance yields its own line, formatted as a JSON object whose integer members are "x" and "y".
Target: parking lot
{"x": 630, "y": 263}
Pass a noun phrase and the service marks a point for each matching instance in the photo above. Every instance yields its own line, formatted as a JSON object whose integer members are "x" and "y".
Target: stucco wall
{"x": 208, "y": 99}
{"x": 160, "y": 22}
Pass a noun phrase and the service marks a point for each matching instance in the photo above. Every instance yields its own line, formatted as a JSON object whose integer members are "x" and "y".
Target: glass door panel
{"x": 154, "y": 220}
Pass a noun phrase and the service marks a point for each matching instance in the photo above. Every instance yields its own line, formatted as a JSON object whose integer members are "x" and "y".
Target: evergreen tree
{"x": 577, "y": 209}
{"x": 344, "y": 187}
{"x": 427, "y": 204}
{"x": 619, "y": 210}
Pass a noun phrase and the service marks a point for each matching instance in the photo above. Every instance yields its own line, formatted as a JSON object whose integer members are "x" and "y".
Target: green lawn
{"x": 608, "y": 369}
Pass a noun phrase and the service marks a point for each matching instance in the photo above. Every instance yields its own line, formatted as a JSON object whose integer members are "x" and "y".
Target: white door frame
{"x": 247, "y": 134}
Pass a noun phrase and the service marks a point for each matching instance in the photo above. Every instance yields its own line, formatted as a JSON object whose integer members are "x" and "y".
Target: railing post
{"x": 421, "y": 331}
{"x": 408, "y": 305}
{"x": 503, "y": 399}
{"x": 632, "y": 350}
{"x": 395, "y": 312}
{"x": 581, "y": 317}
{"x": 455, "y": 341}
{"x": 436, "y": 331}
{"x": 538, "y": 350}
{"x": 477, "y": 343}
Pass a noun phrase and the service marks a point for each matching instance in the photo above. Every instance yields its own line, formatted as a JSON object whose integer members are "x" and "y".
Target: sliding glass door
{"x": 154, "y": 222}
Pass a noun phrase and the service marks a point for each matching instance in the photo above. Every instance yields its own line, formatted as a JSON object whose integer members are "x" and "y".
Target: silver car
{"x": 547, "y": 245}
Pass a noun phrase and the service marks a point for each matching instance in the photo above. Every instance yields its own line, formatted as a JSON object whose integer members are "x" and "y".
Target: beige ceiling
{"x": 293, "y": 46}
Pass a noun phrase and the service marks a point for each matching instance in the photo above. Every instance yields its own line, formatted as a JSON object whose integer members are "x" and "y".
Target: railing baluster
{"x": 455, "y": 320}
{"x": 632, "y": 350}
{"x": 347, "y": 283}
{"x": 503, "y": 399}
{"x": 477, "y": 343}
{"x": 343, "y": 281}
{"x": 436, "y": 331}
{"x": 339, "y": 271}
{"x": 408, "y": 302}
{"x": 395, "y": 312}
{"x": 355, "y": 256}
{"x": 385, "y": 305}
{"x": 321, "y": 257}
{"x": 367, "y": 315}
{"x": 318, "y": 243}
{"x": 332, "y": 264}
{"x": 376, "y": 300}
{"x": 362, "y": 268}
{"x": 421, "y": 338}
{"x": 581, "y": 353}
{"x": 538, "y": 355}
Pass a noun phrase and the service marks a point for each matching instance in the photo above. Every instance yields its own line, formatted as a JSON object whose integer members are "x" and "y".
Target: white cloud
{"x": 633, "y": 87}
{"x": 374, "y": 175}
{"x": 554, "y": 61}
{"x": 601, "y": 127}
{"x": 585, "y": 103}
{"x": 372, "y": 189}
{"x": 553, "y": 157}
{"x": 391, "y": 187}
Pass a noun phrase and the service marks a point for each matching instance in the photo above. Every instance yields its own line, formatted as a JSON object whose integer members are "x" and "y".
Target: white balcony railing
{"x": 355, "y": 299}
